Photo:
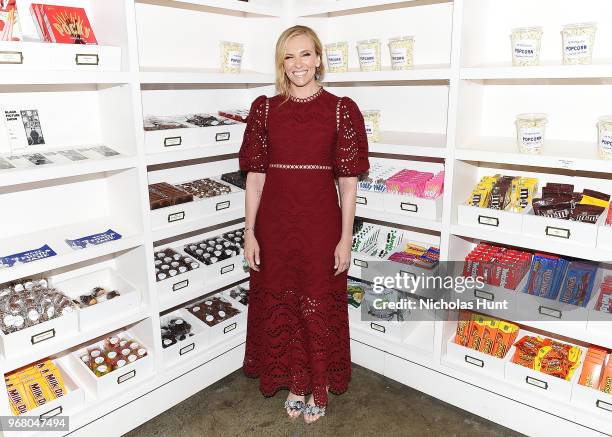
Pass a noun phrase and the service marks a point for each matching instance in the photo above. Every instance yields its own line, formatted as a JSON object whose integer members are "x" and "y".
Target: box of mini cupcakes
{"x": 183, "y": 336}
{"x": 221, "y": 317}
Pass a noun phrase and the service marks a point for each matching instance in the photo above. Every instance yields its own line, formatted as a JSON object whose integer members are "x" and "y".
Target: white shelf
{"x": 168, "y": 301}
{"x": 64, "y": 77}
{"x": 251, "y": 7}
{"x": 439, "y": 72}
{"x": 555, "y": 71}
{"x": 572, "y": 155}
{"x": 410, "y": 144}
{"x": 161, "y": 75}
{"x": 60, "y": 344}
{"x": 545, "y": 245}
{"x": 180, "y": 228}
{"x": 191, "y": 153}
{"x": 66, "y": 256}
{"x": 56, "y": 171}
{"x": 351, "y": 6}
{"x": 399, "y": 219}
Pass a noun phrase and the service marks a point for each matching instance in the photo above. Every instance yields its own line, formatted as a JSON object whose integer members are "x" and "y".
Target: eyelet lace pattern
{"x": 302, "y": 166}
{"x": 306, "y": 99}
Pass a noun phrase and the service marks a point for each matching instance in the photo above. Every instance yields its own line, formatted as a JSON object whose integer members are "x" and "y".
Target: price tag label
{"x": 11, "y": 57}
{"x": 567, "y": 163}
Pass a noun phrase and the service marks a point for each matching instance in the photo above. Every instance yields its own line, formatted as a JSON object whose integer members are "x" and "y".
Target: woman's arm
{"x": 254, "y": 188}
{"x": 348, "y": 192}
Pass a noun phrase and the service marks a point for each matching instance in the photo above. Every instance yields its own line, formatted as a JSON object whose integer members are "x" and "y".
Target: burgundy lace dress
{"x": 297, "y": 330}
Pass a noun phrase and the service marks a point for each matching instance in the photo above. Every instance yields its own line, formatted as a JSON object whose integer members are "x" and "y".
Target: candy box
{"x": 556, "y": 229}
{"x": 218, "y": 316}
{"x": 174, "y": 348}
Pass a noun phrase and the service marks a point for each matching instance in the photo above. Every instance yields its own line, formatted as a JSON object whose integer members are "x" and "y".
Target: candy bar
{"x": 27, "y": 256}
{"x": 163, "y": 194}
{"x": 93, "y": 240}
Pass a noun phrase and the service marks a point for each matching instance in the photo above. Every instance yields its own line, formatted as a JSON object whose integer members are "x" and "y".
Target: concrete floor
{"x": 373, "y": 406}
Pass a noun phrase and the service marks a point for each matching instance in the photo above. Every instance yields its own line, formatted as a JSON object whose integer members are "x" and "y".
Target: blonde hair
{"x": 282, "y": 81}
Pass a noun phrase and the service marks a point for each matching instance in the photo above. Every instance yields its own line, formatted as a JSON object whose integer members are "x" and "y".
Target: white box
{"x": 118, "y": 380}
{"x": 370, "y": 200}
{"x": 95, "y": 315}
{"x": 487, "y": 218}
{"x": 592, "y": 400}
{"x": 198, "y": 208}
{"x": 184, "y": 138}
{"x": 413, "y": 206}
{"x": 538, "y": 382}
{"x": 217, "y": 333}
{"x": 474, "y": 360}
{"x": 214, "y": 272}
{"x": 191, "y": 346}
{"x": 580, "y": 233}
{"x": 31, "y": 339}
{"x": 236, "y": 303}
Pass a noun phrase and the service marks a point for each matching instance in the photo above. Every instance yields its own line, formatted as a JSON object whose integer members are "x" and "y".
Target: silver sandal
{"x": 294, "y": 405}
{"x": 314, "y": 410}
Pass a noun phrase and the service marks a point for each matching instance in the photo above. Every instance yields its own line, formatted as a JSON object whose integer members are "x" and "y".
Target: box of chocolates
{"x": 115, "y": 363}
{"x": 237, "y": 178}
{"x": 238, "y": 296}
{"x": 45, "y": 388}
{"x": 543, "y": 365}
{"x": 219, "y": 257}
{"x": 183, "y": 336}
{"x": 220, "y": 317}
{"x": 176, "y": 271}
{"x": 593, "y": 392}
{"x": 600, "y": 307}
{"x": 163, "y": 194}
{"x": 192, "y": 130}
{"x": 32, "y": 314}
{"x": 210, "y": 196}
{"x": 561, "y": 213}
{"x": 100, "y": 295}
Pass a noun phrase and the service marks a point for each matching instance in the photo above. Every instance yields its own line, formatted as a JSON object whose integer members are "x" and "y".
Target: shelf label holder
{"x": 8, "y": 57}
{"x": 180, "y": 285}
{"x": 176, "y": 216}
{"x": 187, "y": 349}
{"x": 46, "y": 335}
{"x": 410, "y": 207}
{"x": 474, "y": 361}
{"x": 551, "y": 231}
{"x": 488, "y": 221}
{"x": 87, "y": 59}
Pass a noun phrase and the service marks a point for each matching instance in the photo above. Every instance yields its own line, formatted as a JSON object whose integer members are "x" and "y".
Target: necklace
{"x": 306, "y": 99}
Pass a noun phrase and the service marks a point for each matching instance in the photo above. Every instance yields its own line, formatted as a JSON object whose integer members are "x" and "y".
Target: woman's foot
{"x": 294, "y": 405}
{"x": 313, "y": 412}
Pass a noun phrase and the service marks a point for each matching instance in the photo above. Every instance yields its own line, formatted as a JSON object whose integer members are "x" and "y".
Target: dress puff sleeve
{"x": 253, "y": 154}
{"x": 351, "y": 155}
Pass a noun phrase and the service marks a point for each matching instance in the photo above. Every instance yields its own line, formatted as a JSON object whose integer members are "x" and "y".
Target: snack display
{"x": 113, "y": 353}
{"x": 207, "y": 120}
{"x": 508, "y": 193}
{"x": 604, "y": 137}
{"x": 236, "y": 237}
{"x": 337, "y": 57}
{"x": 169, "y": 263}
{"x": 369, "y": 55}
{"x": 547, "y": 356}
{"x": 485, "y": 334}
{"x": 401, "y": 51}
{"x": 376, "y": 240}
{"x": 417, "y": 255}
{"x": 595, "y": 372}
{"x": 371, "y": 119}
{"x": 416, "y": 183}
{"x": 530, "y": 129}
{"x": 561, "y": 202}
{"x": 375, "y": 179}
{"x": 95, "y": 296}
{"x": 157, "y": 122}
{"x": 30, "y": 302}
{"x": 496, "y": 265}
{"x": 212, "y": 250}
{"x": 231, "y": 56}
{"x": 33, "y": 386}
{"x": 175, "y": 329}
{"x": 163, "y": 194}
{"x": 237, "y": 178}
{"x": 578, "y": 40}
{"x": 203, "y": 188}
{"x": 62, "y": 24}
{"x": 213, "y": 310}
{"x": 241, "y": 294}
{"x": 526, "y": 42}
{"x": 604, "y": 301}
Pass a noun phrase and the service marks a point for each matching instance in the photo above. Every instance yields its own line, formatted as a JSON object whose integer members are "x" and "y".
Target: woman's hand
{"x": 251, "y": 250}
{"x": 342, "y": 255}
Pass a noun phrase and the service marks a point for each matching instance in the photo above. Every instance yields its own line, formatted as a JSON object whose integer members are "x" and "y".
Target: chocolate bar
{"x": 93, "y": 240}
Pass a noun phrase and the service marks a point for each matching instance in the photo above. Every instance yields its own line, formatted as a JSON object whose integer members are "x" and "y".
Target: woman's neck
{"x": 301, "y": 92}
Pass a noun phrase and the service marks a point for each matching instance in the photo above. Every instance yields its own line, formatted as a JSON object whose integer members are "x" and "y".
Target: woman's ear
{"x": 318, "y": 64}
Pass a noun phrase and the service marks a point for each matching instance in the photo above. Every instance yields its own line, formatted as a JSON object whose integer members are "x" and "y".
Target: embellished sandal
{"x": 313, "y": 410}
{"x": 294, "y": 405}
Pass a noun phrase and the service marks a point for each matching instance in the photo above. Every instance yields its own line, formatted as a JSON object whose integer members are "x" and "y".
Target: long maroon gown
{"x": 297, "y": 329}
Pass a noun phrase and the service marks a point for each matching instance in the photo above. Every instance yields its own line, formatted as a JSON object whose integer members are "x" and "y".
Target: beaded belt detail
{"x": 302, "y": 166}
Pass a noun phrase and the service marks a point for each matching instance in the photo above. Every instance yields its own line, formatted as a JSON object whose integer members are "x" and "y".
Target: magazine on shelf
{"x": 9, "y": 21}
{"x": 63, "y": 24}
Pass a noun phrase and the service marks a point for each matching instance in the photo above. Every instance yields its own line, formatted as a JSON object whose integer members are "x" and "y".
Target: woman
{"x": 298, "y": 239}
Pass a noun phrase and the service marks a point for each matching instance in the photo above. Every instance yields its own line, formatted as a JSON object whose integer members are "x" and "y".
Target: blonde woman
{"x": 298, "y": 236}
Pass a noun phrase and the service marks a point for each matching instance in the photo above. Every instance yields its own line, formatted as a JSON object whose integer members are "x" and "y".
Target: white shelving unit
{"x": 456, "y": 108}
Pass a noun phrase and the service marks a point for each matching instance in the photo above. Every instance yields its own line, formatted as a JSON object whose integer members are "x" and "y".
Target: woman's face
{"x": 301, "y": 60}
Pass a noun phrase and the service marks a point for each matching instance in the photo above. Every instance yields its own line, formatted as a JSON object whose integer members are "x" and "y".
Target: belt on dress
{"x": 301, "y": 166}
